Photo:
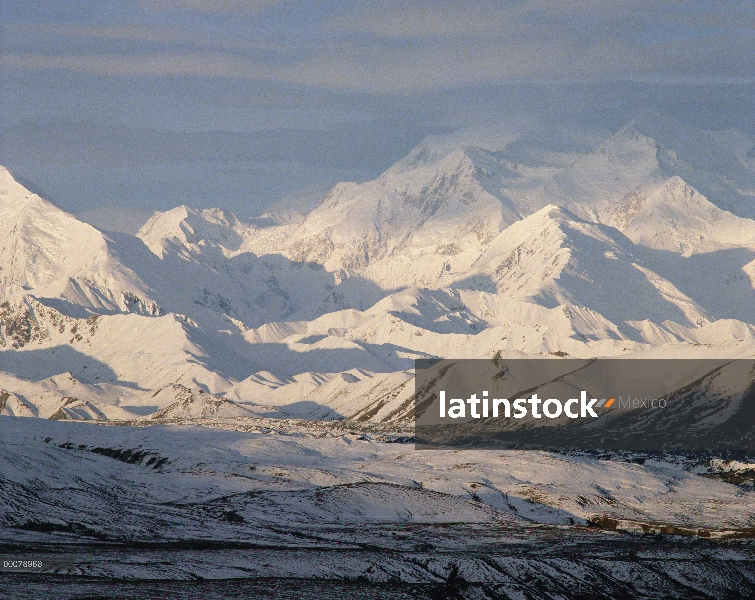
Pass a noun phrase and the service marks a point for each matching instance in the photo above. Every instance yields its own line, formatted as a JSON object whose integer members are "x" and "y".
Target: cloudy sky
{"x": 132, "y": 106}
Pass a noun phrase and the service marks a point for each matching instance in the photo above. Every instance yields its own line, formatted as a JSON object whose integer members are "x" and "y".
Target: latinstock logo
{"x": 537, "y": 408}
{"x": 680, "y": 405}
{"x": 484, "y": 407}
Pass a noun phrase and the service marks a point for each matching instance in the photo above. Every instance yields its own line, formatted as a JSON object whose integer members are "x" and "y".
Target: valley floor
{"x": 543, "y": 563}
{"x": 282, "y": 508}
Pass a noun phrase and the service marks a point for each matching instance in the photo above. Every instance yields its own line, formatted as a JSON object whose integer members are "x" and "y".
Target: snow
{"x": 344, "y": 478}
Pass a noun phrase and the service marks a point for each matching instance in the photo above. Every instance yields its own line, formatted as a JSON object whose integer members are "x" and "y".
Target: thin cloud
{"x": 163, "y": 63}
{"x": 147, "y": 33}
{"x": 403, "y": 47}
{"x": 418, "y": 20}
{"x": 212, "y": 6}
{"x": 142, "y": 33}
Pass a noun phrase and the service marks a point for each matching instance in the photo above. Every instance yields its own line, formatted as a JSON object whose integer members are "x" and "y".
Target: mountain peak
{"x": 8, "y": 184}
{"x": 553, "y": 212}
{"x": 49, "y": 251}
{"x": 14, "y": 196}
{"x": 192, "y": 230}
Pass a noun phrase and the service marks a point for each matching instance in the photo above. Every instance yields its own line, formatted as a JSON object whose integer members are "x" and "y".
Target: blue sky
{"x": 145, "y": 105}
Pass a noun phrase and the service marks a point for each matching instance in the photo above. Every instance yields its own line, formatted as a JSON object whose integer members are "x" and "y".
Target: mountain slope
{"x": 677, "y": 218}
{"x": 437, "y": 214}
{"x": 554, "y": 258}
{"x": 50, "y": 251}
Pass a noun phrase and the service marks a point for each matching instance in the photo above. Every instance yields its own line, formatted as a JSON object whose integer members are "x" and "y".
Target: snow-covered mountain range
{"x": 273, "y": 359}
{"x": 644, "y": 246}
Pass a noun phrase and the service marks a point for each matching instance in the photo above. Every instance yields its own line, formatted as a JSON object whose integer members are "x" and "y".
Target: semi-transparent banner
{"x": 643, "y": 405}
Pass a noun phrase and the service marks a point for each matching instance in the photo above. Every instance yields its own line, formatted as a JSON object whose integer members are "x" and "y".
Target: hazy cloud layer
{"x": 212, "y": 6}
{"x": 100, "y": 101}
{"x": 402, "y": 46}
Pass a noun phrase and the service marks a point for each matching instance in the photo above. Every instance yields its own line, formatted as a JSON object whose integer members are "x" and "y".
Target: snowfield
{"x": 252, "y": 498}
